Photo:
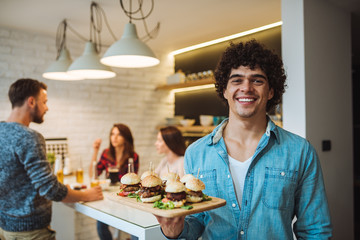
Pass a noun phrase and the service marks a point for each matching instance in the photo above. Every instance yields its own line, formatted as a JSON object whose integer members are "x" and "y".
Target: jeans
{"x": 104, "y": 232}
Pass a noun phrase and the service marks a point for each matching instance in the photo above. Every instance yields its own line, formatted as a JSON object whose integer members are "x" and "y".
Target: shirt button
{"x": 282, "y": 173}
{"x": 242, "y": 232}
{"x": 233, "y": 205}
{"x": 201, "y": 176}
{"x": 229, "y": 176}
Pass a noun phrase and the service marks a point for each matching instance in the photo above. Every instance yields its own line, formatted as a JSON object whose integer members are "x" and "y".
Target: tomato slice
{"x": 123, "y": 194}
{"x": 165, "y": 200}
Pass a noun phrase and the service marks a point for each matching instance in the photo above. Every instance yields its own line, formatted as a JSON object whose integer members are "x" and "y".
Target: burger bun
{"x": 195, "y": 184}
{"x": 130, "y": 179}
{"x": 175, "y": 187}
{"x": 178, "y": 204}
{"x": 170, "y": 176}
{"x": 147, "y": 173}
{"x": 186, "y": 178}
{"x": 150, "y": 199}
{"x": 151, "y": 181}
{"x": 193, "y": 199}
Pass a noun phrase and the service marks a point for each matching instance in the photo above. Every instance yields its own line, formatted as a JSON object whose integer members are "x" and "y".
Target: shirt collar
{"x": 217, "y": 134}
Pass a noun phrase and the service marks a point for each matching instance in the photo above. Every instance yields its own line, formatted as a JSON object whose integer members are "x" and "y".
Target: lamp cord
{"x": 97, "y": 14}
{"x": 60, "y": 42}
{"x": 129, "y": 13}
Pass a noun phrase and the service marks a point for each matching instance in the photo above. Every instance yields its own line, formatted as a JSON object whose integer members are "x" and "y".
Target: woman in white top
{"x": 171, "y": 143}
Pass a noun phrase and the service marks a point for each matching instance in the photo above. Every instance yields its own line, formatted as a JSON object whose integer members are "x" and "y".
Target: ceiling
{"x": 182, "y": 22}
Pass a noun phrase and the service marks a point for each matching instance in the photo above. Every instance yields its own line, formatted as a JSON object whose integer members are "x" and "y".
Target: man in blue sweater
{"x": 27, "y": 184}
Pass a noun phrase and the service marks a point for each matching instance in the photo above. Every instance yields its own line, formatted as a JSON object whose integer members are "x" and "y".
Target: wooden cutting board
{"x": 148, "y": 207}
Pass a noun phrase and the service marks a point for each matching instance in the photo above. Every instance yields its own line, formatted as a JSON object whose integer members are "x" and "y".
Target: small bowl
{"x": 206, "y": 120}
{"x": 187, "y": 122}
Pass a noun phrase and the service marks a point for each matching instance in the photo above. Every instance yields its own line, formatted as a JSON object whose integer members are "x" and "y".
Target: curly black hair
{"x": 252, "y": 54}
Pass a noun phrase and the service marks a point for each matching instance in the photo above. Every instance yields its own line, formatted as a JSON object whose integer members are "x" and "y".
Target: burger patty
{"x": 176, "y": 196}
{"x": 129, "y": 188}
{"x": 146, "y": 192}
{"x": 195, "y": 193}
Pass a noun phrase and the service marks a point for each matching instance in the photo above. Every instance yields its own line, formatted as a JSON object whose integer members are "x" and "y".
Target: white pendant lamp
{"x": 58, "y": 69}
{"x": 88, "y": 65}
{"x": 129, "y": 51}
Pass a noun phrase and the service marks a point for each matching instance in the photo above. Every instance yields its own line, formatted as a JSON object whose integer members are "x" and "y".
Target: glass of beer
{"x": 60, "y": 175}
{"x": 114, "y": 175}
{"x": 79, "y": 175}
{"x": 94, "y": 183}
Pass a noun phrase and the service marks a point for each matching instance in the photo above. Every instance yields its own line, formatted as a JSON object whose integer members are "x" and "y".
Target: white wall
{"x": 85, "y": 110}
{"x": 323, "y": 43}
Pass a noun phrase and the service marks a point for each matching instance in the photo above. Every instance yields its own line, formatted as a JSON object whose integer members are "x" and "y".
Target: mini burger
{"x": 170, "y": 176}
{"x": 150, "y": 190}
{"x": 175, "y": 192}
{"x": 194, "y": 188}
{"x": 147, "y": 173}
{"x": 186, "y": 178}
{"x": 130, "y": 183}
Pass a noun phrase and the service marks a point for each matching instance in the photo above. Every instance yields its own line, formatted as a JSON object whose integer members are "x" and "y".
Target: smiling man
{"x": 267, "y": 175}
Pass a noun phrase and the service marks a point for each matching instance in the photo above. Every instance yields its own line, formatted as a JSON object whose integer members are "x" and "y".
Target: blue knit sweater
{"x": 27, "y": 184}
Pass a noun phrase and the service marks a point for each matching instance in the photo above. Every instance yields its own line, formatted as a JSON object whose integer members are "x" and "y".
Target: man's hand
{"x": 171, "y": 227}
{"x": 94, "y": 194}
{"x": 87, "y": 195}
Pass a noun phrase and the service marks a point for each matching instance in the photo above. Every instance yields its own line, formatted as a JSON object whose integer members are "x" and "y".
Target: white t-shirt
{"x": 238, "y": 172}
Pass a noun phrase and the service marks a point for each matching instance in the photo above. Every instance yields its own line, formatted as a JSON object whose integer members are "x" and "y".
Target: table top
{"x": 126, "y": 213}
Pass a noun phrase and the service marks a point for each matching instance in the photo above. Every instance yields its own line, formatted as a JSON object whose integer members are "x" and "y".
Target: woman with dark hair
{"x": 171, "y": 143}
{"x": 121, "y": 149}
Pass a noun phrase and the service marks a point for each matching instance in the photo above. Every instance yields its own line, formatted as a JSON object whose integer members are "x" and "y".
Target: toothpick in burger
{"x": 150, "y": 190}
{"x": 170, "y": 176}
{"x": 130, "y": 183}
{"x": 147, "y": 173}
{"x": 175, "y": 192}
{"x": 194, "y": 188}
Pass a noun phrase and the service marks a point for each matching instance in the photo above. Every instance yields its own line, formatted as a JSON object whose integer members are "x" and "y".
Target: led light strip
{"x": 186, "y": 89}
{"x": 223, "y": 39}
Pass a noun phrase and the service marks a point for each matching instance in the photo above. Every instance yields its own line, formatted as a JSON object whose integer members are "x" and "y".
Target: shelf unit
{"x": 186, "y": 84}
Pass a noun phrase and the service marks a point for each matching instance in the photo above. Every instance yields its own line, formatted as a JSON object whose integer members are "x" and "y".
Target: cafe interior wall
{"x": 85, "y": 110}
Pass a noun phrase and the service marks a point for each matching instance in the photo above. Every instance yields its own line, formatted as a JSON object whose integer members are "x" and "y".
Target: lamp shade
{"x": 88, "y": 65}
{"x": 58, "y": 69}
{"x": 129, "y": 51}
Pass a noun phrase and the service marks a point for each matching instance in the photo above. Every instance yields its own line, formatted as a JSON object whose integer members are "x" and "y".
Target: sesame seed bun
{"x": 130, "y": 179}
{"x": 195, "y": 184}
{"x": 175, "y": 187}
{"x": 147, "y": 173}
{"x": 151, "y": 181}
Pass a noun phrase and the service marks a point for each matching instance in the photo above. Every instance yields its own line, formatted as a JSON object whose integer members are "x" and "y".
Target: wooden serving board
{"x": 148, "y": 207}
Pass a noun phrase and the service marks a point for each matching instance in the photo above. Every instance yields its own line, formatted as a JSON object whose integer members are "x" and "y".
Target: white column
{"x": 316, "y": 48}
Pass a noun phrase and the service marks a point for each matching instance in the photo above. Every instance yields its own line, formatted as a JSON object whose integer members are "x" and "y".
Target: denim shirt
{"x": 284, "y": 181}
